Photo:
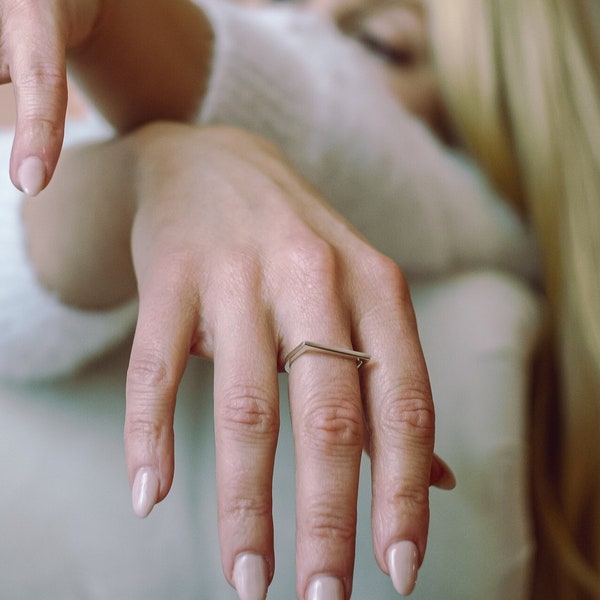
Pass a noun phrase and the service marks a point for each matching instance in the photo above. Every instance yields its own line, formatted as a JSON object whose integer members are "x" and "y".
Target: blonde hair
{"x": 521, "y": 83}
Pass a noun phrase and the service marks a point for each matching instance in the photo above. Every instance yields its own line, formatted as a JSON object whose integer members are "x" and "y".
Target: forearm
{"x": 78, "y": 231}
{"x": 145, "y": 60}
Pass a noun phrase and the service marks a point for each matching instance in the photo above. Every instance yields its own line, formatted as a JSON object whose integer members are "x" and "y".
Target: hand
{"x": 239, "y": 261}
{"x": 130, "y": 78}
{"x": 34, "y": 37}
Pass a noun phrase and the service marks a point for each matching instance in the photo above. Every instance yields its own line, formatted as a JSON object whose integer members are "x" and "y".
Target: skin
{"x": 261, "y": 237}
{"x": 108, "y": 57}
{"x": 264, "y": 238}
{"x": 395, "y": 33}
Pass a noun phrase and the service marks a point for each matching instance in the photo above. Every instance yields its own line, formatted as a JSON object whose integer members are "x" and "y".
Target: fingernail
{"x": 403, "y": 564}
{"x": 144, "y": 491}
{"x": 251, "y": 577}
{"x": 32, "y": 175}
{"x": 325, "y": 588}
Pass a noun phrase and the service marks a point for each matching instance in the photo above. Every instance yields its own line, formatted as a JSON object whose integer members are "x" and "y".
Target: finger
{"x": 246, "y": 432}
{"x": 35, "y": 50}
{"x": 159, "y": 354}
{"x": 327, "y": 423}
{"x": 400, "y": 418}
{"x": 441, "y": 475}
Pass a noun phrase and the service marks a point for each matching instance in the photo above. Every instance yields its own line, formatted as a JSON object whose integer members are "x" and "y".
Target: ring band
{"x": 360, "y": 357}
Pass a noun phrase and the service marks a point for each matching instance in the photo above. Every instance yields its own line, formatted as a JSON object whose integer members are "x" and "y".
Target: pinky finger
{"x": 441, "y": 475}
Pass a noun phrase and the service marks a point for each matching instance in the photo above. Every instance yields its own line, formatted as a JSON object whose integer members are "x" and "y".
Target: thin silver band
{"x": 360, "y": 357}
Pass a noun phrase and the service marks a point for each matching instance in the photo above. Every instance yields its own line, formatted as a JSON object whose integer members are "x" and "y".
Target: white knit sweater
{"x": 293, "y": 79}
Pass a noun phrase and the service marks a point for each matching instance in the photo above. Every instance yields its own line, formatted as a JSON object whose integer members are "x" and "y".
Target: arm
{"x": 40, "y": 336}
{"x": 379, "y": 167}
{"x": 145, "y": 60}
{"x": 79, "y": 236}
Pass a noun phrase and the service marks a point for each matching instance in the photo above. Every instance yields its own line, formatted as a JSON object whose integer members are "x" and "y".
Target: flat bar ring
{"x": 360, "y": 357}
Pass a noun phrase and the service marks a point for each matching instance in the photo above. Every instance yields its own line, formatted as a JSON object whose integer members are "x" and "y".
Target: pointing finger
{"x": 35, "y": 53}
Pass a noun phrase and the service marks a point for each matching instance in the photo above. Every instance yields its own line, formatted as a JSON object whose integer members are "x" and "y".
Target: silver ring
{"x": 360, "y": 357}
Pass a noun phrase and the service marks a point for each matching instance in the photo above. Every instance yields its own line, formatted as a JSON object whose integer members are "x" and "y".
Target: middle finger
{"x": 327, "y": 422}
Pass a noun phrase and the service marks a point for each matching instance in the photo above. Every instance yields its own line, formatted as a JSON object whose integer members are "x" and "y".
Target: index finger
{"x": 400, "y": 417}
{"x": 34, "y": 47}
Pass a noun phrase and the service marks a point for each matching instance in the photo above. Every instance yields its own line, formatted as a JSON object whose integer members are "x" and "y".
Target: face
{"x": 395, "y": 33}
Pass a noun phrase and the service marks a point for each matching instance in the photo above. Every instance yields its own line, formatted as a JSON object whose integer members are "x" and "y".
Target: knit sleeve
{"x": 291, "y": 77}
{"x": 39, "y": 336}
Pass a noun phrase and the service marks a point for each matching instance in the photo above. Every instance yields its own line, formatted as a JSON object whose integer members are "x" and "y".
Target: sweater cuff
{"x": 288, "y": 75}
{"x": 269, "y": 76}
{"x": 39, "y": 336}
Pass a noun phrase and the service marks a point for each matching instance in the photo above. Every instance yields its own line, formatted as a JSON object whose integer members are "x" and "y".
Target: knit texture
{"x": 39, "y": 336}
{"x": 290, "y": 76}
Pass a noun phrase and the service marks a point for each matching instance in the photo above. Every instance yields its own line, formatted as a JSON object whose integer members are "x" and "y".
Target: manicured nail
{"x": 251, "y": 577}
{"x": 325, "y": 588}
{"x": 403, "y": 564}
{"x": 144, "y": 491}
{"x": 32, "y": 175}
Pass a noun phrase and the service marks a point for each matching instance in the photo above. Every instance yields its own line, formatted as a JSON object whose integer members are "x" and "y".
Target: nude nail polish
{"x": 32, "y": 175}
{"x": 403, "y": 564}
{"x": 325, "y": 588}
{"x": 251, "y": 577}
{"x": 144, "y": 491}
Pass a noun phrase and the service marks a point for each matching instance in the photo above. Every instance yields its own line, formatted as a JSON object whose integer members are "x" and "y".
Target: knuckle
{"x": 150, "y": 374}
{"x": 42, "y": 95}
{"x": 409, "y": 499}
{"x": 387, "y": 290}
{"x": 314, "y": 260}
{"x": 329, "y": 523}
{"x": 148, "y": 441}
{"x": 391, "y": 277}
{"x": 241, "y": 271}
{"x": 248, "y": 411}
{"x": 241, "y": 507}
{"x": 172, "y": 273}
{"x": 337, "y": 424}
{"x": 151, "y": 432}
{"x": 176, "y": 260}
{"x": 37, "y": 121}
{"x": 408, "y": 409}
{"x": 47, "y": 76}
{"x": 178, "y": 272}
